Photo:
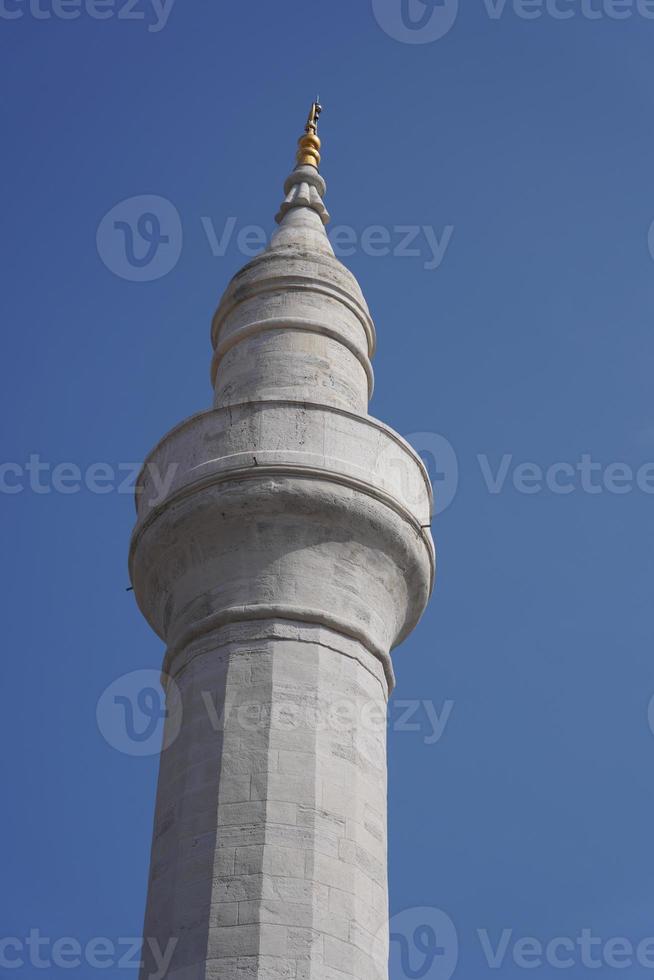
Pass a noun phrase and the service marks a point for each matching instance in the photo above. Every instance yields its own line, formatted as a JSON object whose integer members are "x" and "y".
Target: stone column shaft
{"x": 269, "y": 853}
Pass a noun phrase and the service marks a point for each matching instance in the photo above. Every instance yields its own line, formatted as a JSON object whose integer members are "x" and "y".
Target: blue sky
{"x": 530, "y": 342}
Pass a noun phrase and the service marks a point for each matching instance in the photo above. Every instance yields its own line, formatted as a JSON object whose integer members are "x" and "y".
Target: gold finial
{"x": 309, "y": 144}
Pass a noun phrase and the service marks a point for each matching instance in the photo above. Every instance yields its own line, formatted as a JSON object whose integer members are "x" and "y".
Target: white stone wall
{"x": 269, "y": 853}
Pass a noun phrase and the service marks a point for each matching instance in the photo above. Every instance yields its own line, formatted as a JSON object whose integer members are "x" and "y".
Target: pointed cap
{"x": 305, "y": 188}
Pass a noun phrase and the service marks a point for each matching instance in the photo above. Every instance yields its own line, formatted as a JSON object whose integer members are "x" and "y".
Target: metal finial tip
{"x": 312, "y": 121}
{"x": 309, "y": 144}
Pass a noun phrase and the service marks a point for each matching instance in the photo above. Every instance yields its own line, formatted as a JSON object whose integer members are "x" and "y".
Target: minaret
{"x": 291, "y": 553}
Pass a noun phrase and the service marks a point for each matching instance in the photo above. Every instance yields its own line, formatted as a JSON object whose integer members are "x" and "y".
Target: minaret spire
{"x": 288, "y": 554}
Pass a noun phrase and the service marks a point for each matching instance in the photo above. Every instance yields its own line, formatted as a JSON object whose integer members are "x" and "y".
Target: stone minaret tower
{"x": 291, "y": 553}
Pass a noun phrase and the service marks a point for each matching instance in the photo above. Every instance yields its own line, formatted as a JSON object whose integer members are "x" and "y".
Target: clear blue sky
{"x": 533, "y": 139}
